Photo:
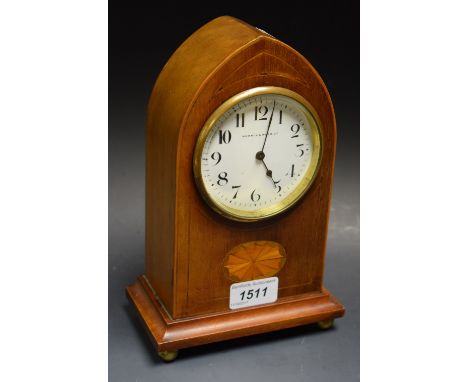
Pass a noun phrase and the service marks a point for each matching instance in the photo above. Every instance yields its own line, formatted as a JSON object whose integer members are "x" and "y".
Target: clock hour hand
{"x": 260, "y": 156}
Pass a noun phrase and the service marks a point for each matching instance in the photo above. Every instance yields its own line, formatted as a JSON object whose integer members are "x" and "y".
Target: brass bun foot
{"x": 168, "y": 355}
{"x": 325, "y": 324}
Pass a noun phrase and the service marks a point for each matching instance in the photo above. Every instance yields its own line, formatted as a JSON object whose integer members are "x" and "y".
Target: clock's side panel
{"x": 203, "y": 237}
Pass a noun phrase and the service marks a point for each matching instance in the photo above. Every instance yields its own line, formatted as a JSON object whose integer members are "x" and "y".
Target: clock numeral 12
{"x": 262, "y": 111}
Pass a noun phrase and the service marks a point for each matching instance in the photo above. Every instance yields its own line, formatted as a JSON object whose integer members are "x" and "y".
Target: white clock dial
{"x": 259, "y": 155}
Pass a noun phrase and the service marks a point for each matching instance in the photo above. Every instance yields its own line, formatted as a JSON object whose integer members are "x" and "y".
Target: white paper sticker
{"x": 255, "y": 292}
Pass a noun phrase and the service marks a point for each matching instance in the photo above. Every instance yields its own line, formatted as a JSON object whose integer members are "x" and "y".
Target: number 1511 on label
{"x": 255, "y": 292}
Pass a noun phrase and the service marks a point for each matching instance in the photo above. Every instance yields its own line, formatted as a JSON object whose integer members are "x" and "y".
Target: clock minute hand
{"x": 261, "y": 154}
{"x": 269, "y": 125}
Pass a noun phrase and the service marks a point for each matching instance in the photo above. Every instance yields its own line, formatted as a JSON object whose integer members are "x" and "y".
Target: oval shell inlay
{"x": 254, "y": 260}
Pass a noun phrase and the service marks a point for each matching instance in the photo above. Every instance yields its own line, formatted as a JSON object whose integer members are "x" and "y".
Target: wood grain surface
{"x": 186, "y": 242}
{"x": 169, "y": 334}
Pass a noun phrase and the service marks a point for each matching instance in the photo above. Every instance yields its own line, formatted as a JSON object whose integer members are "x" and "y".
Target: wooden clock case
{"x": 183, "y": 297}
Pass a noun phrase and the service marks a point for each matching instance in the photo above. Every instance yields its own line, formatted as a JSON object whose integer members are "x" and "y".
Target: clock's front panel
{"x": 260, "y": 170}
{"x": 257, "y": 157}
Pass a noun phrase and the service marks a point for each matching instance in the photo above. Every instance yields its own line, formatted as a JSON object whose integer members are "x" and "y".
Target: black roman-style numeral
{"x": 278, "y": 187}
{"x": 237, "y": 190}
{"x": 222, "y": 178}
{"x": 295, "y": 129}
{"x": 255, "y": 197}
{"x": 301, "y": 150}
{"x": 224, "y": 137}
{"x": 240, "y": 120}
{"x": 217, "y": 157}
{"x": 292, "y": 172}
{"x": 261, "y": 112}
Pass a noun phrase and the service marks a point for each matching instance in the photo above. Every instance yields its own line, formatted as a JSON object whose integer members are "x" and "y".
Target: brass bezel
{"x": 302, "y": 187}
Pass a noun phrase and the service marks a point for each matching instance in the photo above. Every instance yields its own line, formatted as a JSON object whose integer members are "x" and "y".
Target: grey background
{"x": 137, "y": 55}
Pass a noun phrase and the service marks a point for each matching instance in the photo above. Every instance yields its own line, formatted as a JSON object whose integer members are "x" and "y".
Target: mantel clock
{"x": 240, "y": 153}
